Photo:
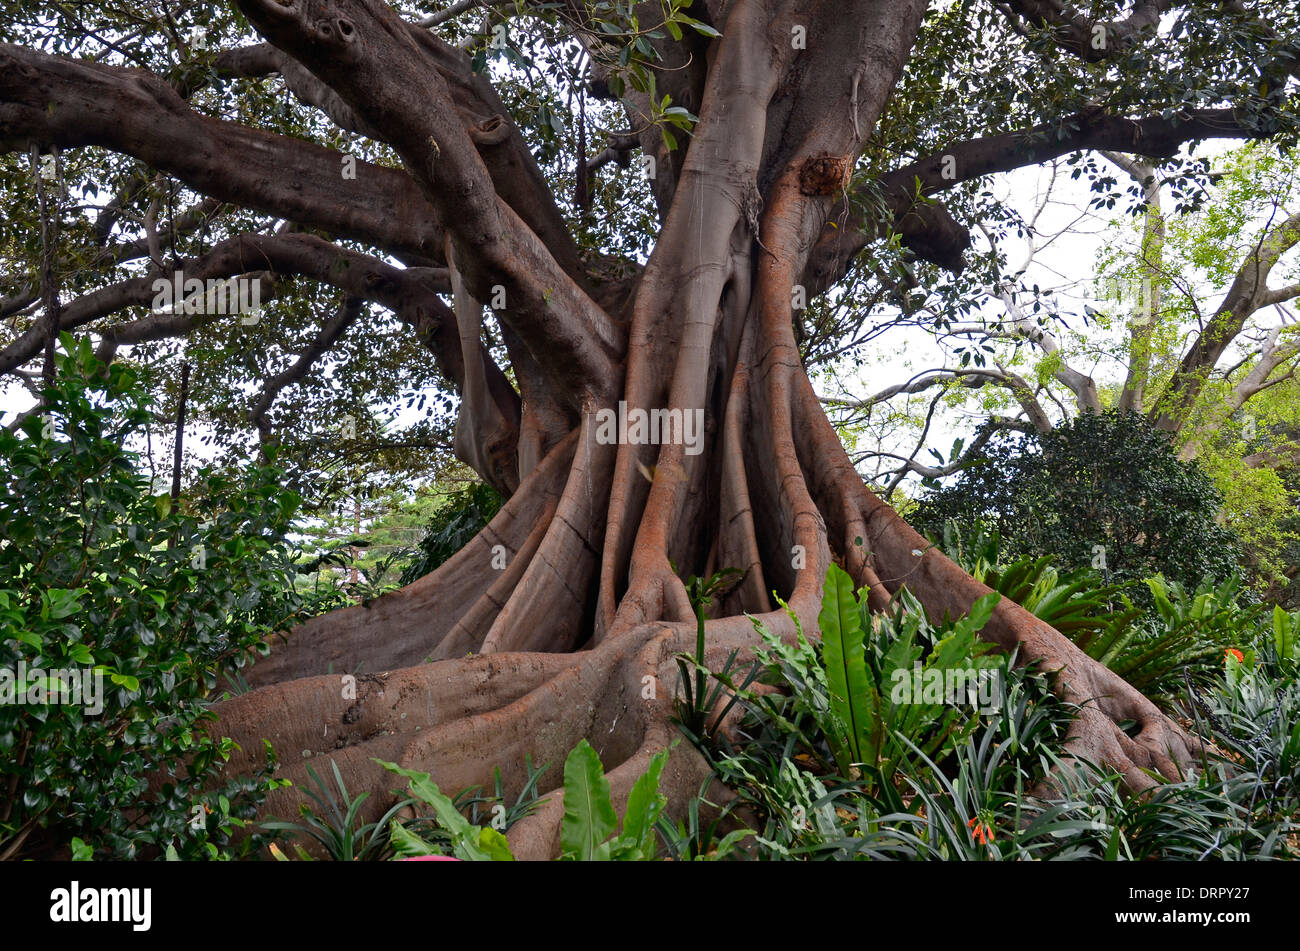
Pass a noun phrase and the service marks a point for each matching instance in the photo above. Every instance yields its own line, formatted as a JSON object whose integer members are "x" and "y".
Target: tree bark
{"x": 573, "y": 632}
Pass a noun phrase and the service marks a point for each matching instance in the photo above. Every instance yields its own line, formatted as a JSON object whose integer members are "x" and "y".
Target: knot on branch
{"x": 491, "y": 131}
{"x": 824, "y": 174}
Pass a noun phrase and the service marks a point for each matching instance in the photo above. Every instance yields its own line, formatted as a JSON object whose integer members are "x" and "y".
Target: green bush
{"x": 1101, "y": 491}
{"x": 100, "y": 576}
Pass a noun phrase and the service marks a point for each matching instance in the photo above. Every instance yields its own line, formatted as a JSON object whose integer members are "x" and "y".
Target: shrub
{"x": 99, "y": 576}
{"x": 1102, "y": 491}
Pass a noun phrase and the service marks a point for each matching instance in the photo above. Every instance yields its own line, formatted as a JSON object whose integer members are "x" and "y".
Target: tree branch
{"x": 70, "y": 103}
{"x": 329, "y": 334}
{"x": 1151, "y": 266}
{"x": 373, "y": 59}
{"x": 932, "y": 232}
{"x": 1086, "y": 37}
{"x": 409, "y": 294}
{"x": 1247, "y": 294}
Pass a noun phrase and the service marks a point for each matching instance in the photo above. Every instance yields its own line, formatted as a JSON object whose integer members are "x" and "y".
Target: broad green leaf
{"x": 644, "y": 804}
{"x": 1284, "y": 633}
{"x": 588, "y": 813}
{"x": 465, "y": 836}
{"x": 406, "y": 842}
{"x": 494, "y": 845}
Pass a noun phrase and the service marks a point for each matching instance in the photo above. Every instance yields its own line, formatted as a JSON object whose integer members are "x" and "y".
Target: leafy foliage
{"x": 857, "y": 707}
{"x": 337, "y": 831}
{"x": 1184, "y": 634}
{"x": 692, "y": 709}
{"x": 866, "y": 710}
{"x": 1102, "y": 491}
{"x": 99, "y": 576}
{"x": 589, "y": 832}
{"x": 463, "y": 516}
{"x": 469, "y": 842}
{"x": 979, "y": 795}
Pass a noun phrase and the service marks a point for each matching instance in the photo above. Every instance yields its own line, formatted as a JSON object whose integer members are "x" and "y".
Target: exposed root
{"x": 738, "y": 546}
{"x": 547, "y": 610}
{"x": 407, "y": 626}
{"x": 459, "y": 719}
{"x": 903, "y": 557}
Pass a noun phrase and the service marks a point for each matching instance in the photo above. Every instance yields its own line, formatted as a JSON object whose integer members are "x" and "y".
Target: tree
{"x": 1185, "y": 318}
{"x": 1048, "y": 353}
{"x": 782, "y": 143}
{"x": 1103, "y": 490}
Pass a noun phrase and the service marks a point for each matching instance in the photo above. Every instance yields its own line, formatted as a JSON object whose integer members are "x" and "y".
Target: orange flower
{"x": 1233, "y": 652}
{"x": 982, "y": 831}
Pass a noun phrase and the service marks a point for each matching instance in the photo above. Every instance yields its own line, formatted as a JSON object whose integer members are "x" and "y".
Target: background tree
{"x": 423, "y": 165}
{"x": 1103, "y": 491}
{"x": 1043, "y": 354}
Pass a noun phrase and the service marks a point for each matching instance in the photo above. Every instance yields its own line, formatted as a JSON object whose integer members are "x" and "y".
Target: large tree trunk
{"x": 476, "y": 665}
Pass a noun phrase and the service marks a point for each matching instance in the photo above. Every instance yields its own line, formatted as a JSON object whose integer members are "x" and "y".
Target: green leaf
{"x": 465, "y": 836}
{"x": 644, "y": 804}
{"x": 407, "y": 843}
{"x": 62, "y": 602}
{"x": 588, "y": 813}
{"x": 495, "y": 845}
{"x": 846, "y": 671}
{"x": 699, "y": 27}
{"x": 1284, "y": 633}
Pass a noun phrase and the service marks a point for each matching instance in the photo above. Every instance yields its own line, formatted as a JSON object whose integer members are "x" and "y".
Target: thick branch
{"x": 373, "y": 59}
{"x": 69, "y": 103}
{"x": 409, "y": 294}
{"x": 1150, "y": 266}
{"x": 1089, "y": 38}
{"x": 932, "y": 232}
